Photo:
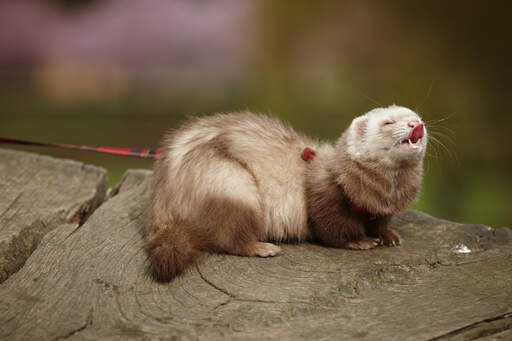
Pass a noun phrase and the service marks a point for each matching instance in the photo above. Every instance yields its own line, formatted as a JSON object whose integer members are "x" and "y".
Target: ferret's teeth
{"x": 412, "y": 145}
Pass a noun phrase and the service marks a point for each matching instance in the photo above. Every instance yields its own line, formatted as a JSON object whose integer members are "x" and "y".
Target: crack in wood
{"x": 20, "y": 247}
{"x": 88, "y": 323}
{"x": 89, "y": 207}
{"x": 210, "y": 283}
{"x": 233, "y": 297}
{"x": 226, "y": 302}
{"x": 12, "y": 204}
{"x": 479, "y": 329}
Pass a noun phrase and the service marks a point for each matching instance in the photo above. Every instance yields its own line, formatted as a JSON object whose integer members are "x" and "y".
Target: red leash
{"x": 142, "y": 153}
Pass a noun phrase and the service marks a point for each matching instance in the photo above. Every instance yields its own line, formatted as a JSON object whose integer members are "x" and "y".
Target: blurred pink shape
{"x": 140, "y": 37}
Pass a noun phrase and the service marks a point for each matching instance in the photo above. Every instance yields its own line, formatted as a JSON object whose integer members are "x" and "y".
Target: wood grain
{"x": 37, "y": 194}
{"x": 93, "y": 283}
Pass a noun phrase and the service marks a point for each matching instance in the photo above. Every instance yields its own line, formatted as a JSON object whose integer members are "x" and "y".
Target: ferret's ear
{"x": 359, "y": 127}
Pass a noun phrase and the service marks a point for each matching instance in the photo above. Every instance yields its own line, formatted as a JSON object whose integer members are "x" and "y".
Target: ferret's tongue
{"x": 417, "y": 133}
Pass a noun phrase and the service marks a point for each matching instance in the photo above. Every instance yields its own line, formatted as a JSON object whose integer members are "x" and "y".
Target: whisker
{"x": 429, "y": 160}
{"x": 428, "y": 95}
{"x": 438, "y": 128}
{"x": 449, "y": 139}
{"x": 450, "y": 153}
{"x": 439, "y": 120}
{"x": 369, "y": 98}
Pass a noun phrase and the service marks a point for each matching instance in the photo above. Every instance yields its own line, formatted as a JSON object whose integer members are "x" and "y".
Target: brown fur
{"x": 228, "y": 182}
{"x": 371, "y": 185}
{"x": 171, "y": 250}
{"x": 332, "y": 217}
{"x": 329, "y": 209}
{"x": 231, "y": 226}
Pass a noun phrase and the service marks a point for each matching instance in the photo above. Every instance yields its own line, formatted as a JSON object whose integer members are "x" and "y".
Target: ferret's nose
{"x": 413, "y": 123}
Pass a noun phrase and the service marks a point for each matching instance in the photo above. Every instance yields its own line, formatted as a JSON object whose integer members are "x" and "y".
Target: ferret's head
{"x": 389, "y": 136}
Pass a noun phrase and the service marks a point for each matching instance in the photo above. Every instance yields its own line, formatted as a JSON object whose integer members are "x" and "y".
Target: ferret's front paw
{"x": 363, "y": 244}
{"x": 389, "y": 238}
{"x": 267, "y": 250}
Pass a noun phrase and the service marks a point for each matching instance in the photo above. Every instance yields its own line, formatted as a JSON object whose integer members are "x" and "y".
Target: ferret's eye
{"x": 388, "y": 122}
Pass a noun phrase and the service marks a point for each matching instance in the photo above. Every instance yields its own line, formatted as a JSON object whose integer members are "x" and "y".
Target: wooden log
{"x": 37, "y": 194}
{"x": 94, "y": 283}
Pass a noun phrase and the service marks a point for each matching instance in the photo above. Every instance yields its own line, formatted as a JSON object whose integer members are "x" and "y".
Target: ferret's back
{"x": 249, "y": 157}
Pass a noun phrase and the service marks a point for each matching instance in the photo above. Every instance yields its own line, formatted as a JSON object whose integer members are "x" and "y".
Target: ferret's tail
{"x": 171, "y": 250}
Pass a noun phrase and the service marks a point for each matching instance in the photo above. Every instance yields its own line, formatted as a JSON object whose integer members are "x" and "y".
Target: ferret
{"x": 232, "y": 183}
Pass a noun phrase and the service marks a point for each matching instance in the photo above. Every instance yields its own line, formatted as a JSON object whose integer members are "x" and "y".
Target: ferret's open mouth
{"x": 413, "y": 140}
{"x": 410, "y": 143}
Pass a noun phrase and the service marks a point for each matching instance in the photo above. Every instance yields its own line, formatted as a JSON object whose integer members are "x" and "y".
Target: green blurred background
{"x": 121, "y": 73}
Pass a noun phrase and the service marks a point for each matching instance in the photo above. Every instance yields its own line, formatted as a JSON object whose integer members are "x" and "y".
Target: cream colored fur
{"x": 262, "y": 167}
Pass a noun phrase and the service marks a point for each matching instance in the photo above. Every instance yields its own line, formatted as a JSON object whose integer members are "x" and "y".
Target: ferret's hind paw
{"x": 267, "y": 250}
{"x": 363, "y": 244}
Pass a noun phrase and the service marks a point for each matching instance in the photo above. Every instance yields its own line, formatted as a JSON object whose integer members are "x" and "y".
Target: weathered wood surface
{"x": 37, "y": 194}
{"x": 93, "y": 282}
